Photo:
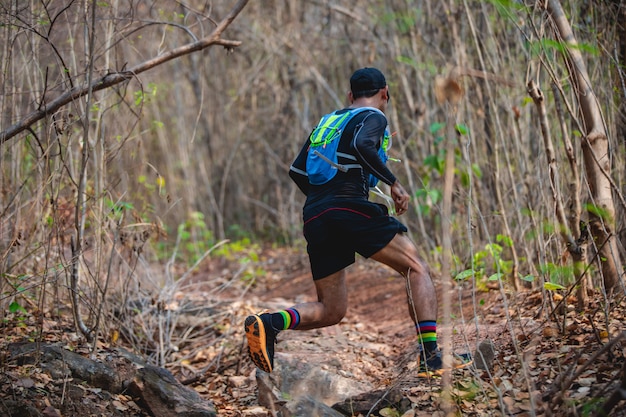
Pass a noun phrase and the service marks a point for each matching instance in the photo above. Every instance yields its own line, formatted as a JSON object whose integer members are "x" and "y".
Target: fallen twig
{"x": 562, "y": 382}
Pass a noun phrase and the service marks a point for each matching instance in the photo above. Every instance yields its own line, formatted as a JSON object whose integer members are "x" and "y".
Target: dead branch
{"x": 563, "y": 381}
{"x": 537, "y": 96}
{"x": 618, "y": 395}
{"x": 117, "y": 77}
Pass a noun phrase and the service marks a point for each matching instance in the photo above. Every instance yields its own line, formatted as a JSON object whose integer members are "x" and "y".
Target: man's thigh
{"x": 400, "y": 254}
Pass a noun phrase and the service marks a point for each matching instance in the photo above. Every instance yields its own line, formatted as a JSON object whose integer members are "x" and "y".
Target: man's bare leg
{"x": 401, "y": 255}
{"x": 331, "y": 304}
{"x": 329, "y": 309}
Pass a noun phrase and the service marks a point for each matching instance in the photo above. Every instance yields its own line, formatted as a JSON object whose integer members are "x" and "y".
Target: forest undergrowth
{"x": 549, "y": 359}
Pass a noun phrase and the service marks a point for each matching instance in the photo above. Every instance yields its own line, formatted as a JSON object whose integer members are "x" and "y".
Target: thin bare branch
{"x": 117, "y": 77}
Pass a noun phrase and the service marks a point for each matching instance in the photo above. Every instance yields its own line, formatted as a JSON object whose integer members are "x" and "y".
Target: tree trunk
{"x": 595, "y": 146}
{"x": 576, "y": 247}
{"x": 619, "y": 9}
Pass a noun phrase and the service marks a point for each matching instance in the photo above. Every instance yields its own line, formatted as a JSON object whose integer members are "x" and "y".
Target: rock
{"x": 162, "y": 395}
{"x": 255, "y": 412}
{"x": 298, "y": 382}
{"x": 484, "y": 355}
{"x": 157, "y": 389}
{"x": 370, "y": 403}
{"x": 61, "y": 363}
{"x": 307, "y": 406}
{"x": 21, "y": 409}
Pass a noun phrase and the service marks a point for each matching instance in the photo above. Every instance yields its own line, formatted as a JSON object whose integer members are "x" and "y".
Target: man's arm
{"x": 297, "y": 170}
{"x": 366, "y": 142}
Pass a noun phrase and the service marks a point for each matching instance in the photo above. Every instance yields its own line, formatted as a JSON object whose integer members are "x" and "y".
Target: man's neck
{"x": 365, "y": 102}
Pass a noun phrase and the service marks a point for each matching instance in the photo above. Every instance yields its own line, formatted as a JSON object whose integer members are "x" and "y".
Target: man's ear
{"x": 350, "y": 97}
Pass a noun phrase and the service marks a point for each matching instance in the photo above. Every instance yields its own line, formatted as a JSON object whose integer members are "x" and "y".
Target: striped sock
{"x": 427, "y": 335}
{"x": 286, "y": 319}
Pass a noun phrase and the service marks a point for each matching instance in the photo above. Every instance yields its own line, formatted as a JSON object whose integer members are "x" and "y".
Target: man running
{"x": 340, "y": 221}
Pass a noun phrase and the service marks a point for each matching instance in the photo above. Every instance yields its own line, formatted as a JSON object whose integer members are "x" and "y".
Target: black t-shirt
{"x": 361, "y": 138}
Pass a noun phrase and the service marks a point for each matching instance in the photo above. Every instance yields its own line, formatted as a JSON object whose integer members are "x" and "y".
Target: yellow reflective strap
{"x": 327, "y": 129}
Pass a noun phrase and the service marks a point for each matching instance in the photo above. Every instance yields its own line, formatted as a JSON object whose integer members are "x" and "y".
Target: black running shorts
{"x": 336, "y": 230}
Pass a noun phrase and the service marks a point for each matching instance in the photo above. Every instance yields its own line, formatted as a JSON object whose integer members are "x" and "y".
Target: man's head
{"x": 366, "y": 82}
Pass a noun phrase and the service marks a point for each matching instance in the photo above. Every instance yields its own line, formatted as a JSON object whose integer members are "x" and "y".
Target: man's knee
{"x": 334, "y": 314}
{"x": 415, "y": 264}
{"x": 420, "y": 266}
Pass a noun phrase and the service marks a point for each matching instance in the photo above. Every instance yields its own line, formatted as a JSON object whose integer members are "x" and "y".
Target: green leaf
{"x": 477, "y": 171}
{"x": 14, "y": 307}
{"x": 507, "y": 7}
{"x": 504, "y": 239}
{"x": 434, "y": 162}
{"x": 462, "y": 129}
{"x": 464, "y": 275}
{"x": 528, "y": 278}
{"x": 496, "y": 277}
{"x": 421, "y": 193}
{"x": 435, "y": 195}
{"x": 389, "y": 412}
{"x": 494, "y": 250}
{"x": 598, "y": 211}
{"x": 435, "y": 127}
{"x": 406, "y": 60}
{"x": 551, "y": 286}
{"x": 527, "y": 100}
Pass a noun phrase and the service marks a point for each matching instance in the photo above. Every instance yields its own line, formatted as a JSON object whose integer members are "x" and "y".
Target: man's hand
{"x": 400, "y": 198}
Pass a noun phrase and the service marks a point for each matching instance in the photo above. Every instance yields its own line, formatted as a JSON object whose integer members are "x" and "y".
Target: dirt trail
{"x": 377, "y": 309}
{"x": 376, "y": 297}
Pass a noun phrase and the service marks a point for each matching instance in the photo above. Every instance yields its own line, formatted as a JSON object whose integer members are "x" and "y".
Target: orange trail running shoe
{"x": 261, "y": 339}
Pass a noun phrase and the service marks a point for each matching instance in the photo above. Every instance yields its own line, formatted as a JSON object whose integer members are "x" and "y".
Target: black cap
{"x": 367, "y": 79}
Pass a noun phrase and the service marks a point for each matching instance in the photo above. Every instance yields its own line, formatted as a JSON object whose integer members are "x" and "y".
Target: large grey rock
{"x": 298, "y": 384}
{"x": 307, "y": 406}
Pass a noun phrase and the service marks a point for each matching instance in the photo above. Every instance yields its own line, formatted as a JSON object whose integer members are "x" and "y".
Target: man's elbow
{"x": 301, "y": 180}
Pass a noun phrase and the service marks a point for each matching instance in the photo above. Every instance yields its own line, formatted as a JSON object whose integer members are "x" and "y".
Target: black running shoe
{"x": 432, "y": 365}
{"x": 261, "y": 339}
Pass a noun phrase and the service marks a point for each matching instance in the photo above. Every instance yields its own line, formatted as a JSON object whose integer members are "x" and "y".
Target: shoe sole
{"x": 257, "y": 343}
{"x": 466, "y": 362}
